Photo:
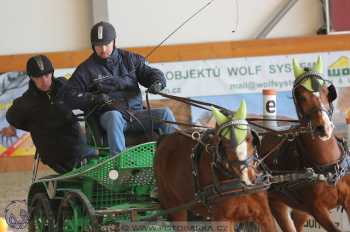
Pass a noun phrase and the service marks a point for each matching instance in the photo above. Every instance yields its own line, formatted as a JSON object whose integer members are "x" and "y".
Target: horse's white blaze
{"x": 242, "y": 154}
{"x": 328, "y": 126}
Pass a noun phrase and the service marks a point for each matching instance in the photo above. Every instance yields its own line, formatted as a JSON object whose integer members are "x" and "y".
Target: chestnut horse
{"x": 212, "y": 174}
{"x": 319, "y": 149}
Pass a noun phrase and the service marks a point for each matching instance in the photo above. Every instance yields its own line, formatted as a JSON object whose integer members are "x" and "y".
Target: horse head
{"x": 236, "y": 147}
{"x": 313, "y": 97}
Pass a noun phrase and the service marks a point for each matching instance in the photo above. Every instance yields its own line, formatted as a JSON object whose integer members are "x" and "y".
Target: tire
{"x": 41, "y": 215}
{"x": 73, "y": 215}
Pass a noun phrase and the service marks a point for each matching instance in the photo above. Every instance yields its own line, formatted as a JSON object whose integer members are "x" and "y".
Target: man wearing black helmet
{"x": 115, "y": 74}
{"x": 54, "y": 129}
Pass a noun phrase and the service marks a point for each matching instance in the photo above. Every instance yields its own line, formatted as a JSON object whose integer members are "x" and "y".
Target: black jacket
{"x": 118, "y": 76}
{"x": 55, "y": 131}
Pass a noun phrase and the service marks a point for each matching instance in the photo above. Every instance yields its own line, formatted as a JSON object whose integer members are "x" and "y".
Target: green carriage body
{"x": 104, "y": 193}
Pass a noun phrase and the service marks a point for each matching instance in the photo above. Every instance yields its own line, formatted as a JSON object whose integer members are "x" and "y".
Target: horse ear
{"x": 298, "y": 71}
{"x": 318, "y": 66}
{"x": 241, "y": 113}
{"x": 240, "y": 133}
{"x": 220, "y": 117}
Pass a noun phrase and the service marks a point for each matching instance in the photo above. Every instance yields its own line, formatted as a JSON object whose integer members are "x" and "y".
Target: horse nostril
{"x": 320, "y": 130}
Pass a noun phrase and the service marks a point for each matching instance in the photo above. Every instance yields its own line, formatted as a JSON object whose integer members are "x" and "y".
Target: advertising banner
{"x": 12, "y": 85}
{"x": 221, "y": 81}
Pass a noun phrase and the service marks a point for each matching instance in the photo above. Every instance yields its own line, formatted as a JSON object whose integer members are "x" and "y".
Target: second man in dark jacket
{"x": 115, "y": 74}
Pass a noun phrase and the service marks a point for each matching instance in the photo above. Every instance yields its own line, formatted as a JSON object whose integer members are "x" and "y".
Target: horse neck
{"x": 318, "y": 151}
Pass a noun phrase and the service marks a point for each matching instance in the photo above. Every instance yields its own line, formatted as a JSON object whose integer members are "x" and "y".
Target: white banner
{"x": 243, "y": 75}
{"x": 247, "y": 75}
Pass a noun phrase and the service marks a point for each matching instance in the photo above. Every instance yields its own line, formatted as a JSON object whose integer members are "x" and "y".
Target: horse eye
{"x": 301, "y": 98}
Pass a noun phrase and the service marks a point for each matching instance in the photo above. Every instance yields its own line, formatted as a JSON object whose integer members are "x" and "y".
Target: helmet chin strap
{"x": 113, "y": 45}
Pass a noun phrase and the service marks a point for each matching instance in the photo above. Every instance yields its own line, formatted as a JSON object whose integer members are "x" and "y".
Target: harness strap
{"x": 233, "y": 187}
{"x": 195, "y": 157}
{"x": 195, "y": 135}
{"x": 230, "y": 188}
{"x": 288, "y": 176}
{"x": 333, "y": 171}
{"x": 278, "y": 146}
{"x": 185, "y": 124}
{"x": 291, "y": 132}
{"x": 195, "y": 102}
{"x": 287, "y": 183}
{"x": 216, "y": 181}
{"x": 195, "y": 171}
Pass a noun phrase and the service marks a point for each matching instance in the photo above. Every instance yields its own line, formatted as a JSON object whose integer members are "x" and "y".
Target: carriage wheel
{"x": 41, "y": 216}
{"x": 73, "y": 215}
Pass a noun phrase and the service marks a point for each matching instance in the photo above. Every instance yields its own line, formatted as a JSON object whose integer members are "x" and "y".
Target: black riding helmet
{"x": 102, "y": 33}
{"x": 39, "y": 65}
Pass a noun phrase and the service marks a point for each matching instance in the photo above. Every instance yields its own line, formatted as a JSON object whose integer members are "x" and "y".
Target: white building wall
{"x": 29, "y": 26}
{"x": 144, "y": 22}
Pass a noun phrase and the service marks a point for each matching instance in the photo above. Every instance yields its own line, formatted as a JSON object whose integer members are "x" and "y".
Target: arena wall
{"x": 184, "y": 52}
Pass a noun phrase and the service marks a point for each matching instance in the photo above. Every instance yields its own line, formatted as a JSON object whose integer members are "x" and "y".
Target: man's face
{"x": 43, "y": 82}
{"x": 104, "y": 51}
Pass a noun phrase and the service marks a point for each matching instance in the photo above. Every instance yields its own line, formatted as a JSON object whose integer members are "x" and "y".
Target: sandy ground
{"x": 14, "y": 187}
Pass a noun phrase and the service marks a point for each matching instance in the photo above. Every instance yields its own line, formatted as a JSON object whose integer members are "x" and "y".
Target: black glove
{"x": 102, "y": 99}
{"x": 155, "y": 87}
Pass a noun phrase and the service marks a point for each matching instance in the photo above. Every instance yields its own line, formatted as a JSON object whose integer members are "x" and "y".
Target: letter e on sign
{"x": 269, "y": 103}
{"x": 270, "y": 106}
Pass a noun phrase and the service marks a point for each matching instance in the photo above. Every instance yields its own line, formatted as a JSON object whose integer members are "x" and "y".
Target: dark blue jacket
{"x": 118, "y": 76}
{"x": 55, "y": 131}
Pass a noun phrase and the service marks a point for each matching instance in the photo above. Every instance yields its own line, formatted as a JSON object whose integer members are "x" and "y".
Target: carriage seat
{"x": 96, "y": 135}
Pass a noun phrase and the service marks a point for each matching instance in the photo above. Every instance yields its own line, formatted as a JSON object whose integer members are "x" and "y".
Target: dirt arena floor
{"x": 13, "y": 188}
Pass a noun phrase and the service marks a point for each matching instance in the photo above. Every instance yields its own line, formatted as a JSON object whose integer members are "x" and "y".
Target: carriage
{"x": 105, "y": 194}
{"x": 97, "y": 196}
{"x": 102, "y": 194}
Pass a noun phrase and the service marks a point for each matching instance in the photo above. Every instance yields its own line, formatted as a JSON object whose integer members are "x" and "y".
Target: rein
{"x": 233, "y": 187}
{"x": 196, "y": 103}
{"x": 201, "y": 104}
{"x": 289, "y": 134}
